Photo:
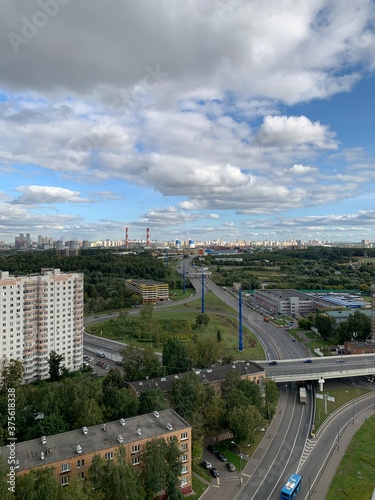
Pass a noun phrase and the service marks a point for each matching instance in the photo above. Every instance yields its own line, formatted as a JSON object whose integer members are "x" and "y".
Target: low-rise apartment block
{"x": 71, "y": 453}
{"x": 214, "y": 377}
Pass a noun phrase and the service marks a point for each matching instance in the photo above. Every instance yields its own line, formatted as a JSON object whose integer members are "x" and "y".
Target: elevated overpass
{"x": 321, "y": 368}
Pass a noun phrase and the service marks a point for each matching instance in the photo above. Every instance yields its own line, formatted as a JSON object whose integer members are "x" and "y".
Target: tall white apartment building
{"x": 41, "y": 313}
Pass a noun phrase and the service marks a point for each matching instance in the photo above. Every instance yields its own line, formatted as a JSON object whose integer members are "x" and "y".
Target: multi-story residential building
{"x": 41, "y": 313}
{"x": 71, "y": 453}
{"x": 150, "y": 291}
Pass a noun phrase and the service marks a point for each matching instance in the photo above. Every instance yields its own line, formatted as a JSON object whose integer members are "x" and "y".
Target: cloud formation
{"x": 193, "y": 117}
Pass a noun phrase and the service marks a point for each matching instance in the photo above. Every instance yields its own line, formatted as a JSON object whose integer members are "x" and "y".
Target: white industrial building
{"x": 40, "y": 313}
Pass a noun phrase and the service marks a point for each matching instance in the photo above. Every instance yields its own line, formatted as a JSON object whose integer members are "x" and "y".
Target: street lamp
{"x": 240, "y": 472}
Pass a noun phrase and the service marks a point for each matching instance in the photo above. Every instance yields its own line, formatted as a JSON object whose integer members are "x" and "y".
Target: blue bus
{"x": 291, "y": 488}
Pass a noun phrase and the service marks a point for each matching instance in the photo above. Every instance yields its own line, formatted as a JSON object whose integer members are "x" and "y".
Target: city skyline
{"x": 218, "y": 120}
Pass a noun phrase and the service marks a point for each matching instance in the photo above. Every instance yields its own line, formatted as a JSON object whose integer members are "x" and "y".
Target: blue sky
{"x": 221, "y": 119}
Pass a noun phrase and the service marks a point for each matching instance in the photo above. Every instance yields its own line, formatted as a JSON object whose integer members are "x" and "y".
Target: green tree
{"x": 140, "y": 363}
{"x": 201, "y": 320}
{"x": 324, "y": 325}
{"x": 115, "y": 479}
{"x": 271, "y": 397}
{"x": 11, "y": 374}
{"x": 5, "y": 493}
{"x": 38, "y": 484}
{"x": 162, "y": 468}
{"x": 55, "y": 365}
{"x": 150, "y": 401}
{"x": 243, "y": 422}
{"x": 175, "y": 358}
{"x": 185, "y": 395}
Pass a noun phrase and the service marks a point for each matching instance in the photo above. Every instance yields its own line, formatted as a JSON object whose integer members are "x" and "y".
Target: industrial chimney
{"x": 148, "y": 237}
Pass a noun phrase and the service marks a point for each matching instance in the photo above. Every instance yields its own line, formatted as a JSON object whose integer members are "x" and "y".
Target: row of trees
{"x": 105, "y": 273}
{"x": 338, "y": 332}
{"x": 106, "y": 479}
{"x": 314, "y": 269}
{"x": 78, "y": 400}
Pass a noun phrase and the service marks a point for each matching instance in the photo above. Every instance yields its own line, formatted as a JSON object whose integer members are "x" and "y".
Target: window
{"x": 184, "y": 481}
{"x": 184, "y": 458}
{"x": 81, "y": 463}
{"x": 64, "y": 480}
{"x": 135, "y": 460}
{"x": 184, "y": 435}
{"x": 65, "y": 467}
{"x": 135, "y": 448}
{"x": 109, "y": 455}
{"x": 184, "y": 469}
{"x": 184, "y": 447}
{"x": 82, "y": 476}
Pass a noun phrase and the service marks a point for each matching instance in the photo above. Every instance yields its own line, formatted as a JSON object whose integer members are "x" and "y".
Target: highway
{"x": 283, "y": 448}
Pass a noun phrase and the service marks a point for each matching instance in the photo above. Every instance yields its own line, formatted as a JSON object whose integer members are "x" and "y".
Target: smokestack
{"x": 148, "y": 237}
{"x": 126, "y": 238}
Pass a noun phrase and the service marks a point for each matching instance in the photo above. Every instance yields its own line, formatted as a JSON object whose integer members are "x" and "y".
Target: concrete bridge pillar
{"x": 321, "y": 382}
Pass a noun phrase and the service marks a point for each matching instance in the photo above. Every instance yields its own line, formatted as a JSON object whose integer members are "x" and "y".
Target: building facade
{"x": 41, "y": 313}
{"x": 150, "y": 291}
{"x": 71, "y": 453}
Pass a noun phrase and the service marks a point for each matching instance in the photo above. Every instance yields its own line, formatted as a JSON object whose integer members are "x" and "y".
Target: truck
{"x": 302, "y": 395}
{"x": 266, "y": 319}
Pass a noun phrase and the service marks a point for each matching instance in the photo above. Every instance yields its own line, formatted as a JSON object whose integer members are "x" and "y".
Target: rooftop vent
{"x": 120, "y": 439}
{"x": 176, "y": 377}
{"x": 44, "y": 440}
{"x": 41, "y": 456}
{"x": 169, "y": 427}
{"x": 209, "y": 370}
{"x": 163, "y": 379}
{"x": 139, "y": 432}
{"x": 156, "y": 414}
{"x": 84, "y": 430}
{"x": 122, "y": 421}
{"x": 79, "y": 449}
{"x": 105, "y": 427}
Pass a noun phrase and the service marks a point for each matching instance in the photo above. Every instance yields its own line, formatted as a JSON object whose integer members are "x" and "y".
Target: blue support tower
{"x": 202, "y": 292}
{"x": 240, "y": 344}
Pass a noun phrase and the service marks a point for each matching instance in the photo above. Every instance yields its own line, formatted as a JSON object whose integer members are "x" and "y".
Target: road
{"x": 287, "y": 438}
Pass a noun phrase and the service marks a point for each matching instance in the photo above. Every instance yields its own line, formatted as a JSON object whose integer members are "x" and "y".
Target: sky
{"x": 199, "y": 119}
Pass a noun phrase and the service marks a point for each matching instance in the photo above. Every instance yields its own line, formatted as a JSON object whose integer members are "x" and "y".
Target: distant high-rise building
{"x": 42, "y": 313}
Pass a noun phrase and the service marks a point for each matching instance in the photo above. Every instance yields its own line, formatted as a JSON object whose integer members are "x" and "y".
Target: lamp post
{"x": 240, "y": 472}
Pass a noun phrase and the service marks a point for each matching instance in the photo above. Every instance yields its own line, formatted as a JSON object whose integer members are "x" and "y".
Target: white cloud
{"x": 37, "y": 195}
{"x": 287, "y": 131}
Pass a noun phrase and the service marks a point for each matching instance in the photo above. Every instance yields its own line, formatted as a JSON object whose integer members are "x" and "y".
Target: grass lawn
{"x": 222, "y": 317}
{"x": 355, "y": 477}
{"x": 198, "y": 487}
{"x": 342, "y": 395}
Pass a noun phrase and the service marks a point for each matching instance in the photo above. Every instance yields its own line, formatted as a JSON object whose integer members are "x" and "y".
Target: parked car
{"x": 230, "y": 467}
{"x": 214, "y": 472}
{"x": 221, "y": 456}
{"x": 308, "y": 360}
{"x": 206, "y": 464}
{"x": 212, "y": 449}
{"x": 272, "y": 363}
{"x": 100, "y": 354}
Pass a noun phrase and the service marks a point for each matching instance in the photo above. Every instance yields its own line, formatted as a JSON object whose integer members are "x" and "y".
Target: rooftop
{"x": 96, "y": 438}
{"x": 207, "y": 375}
